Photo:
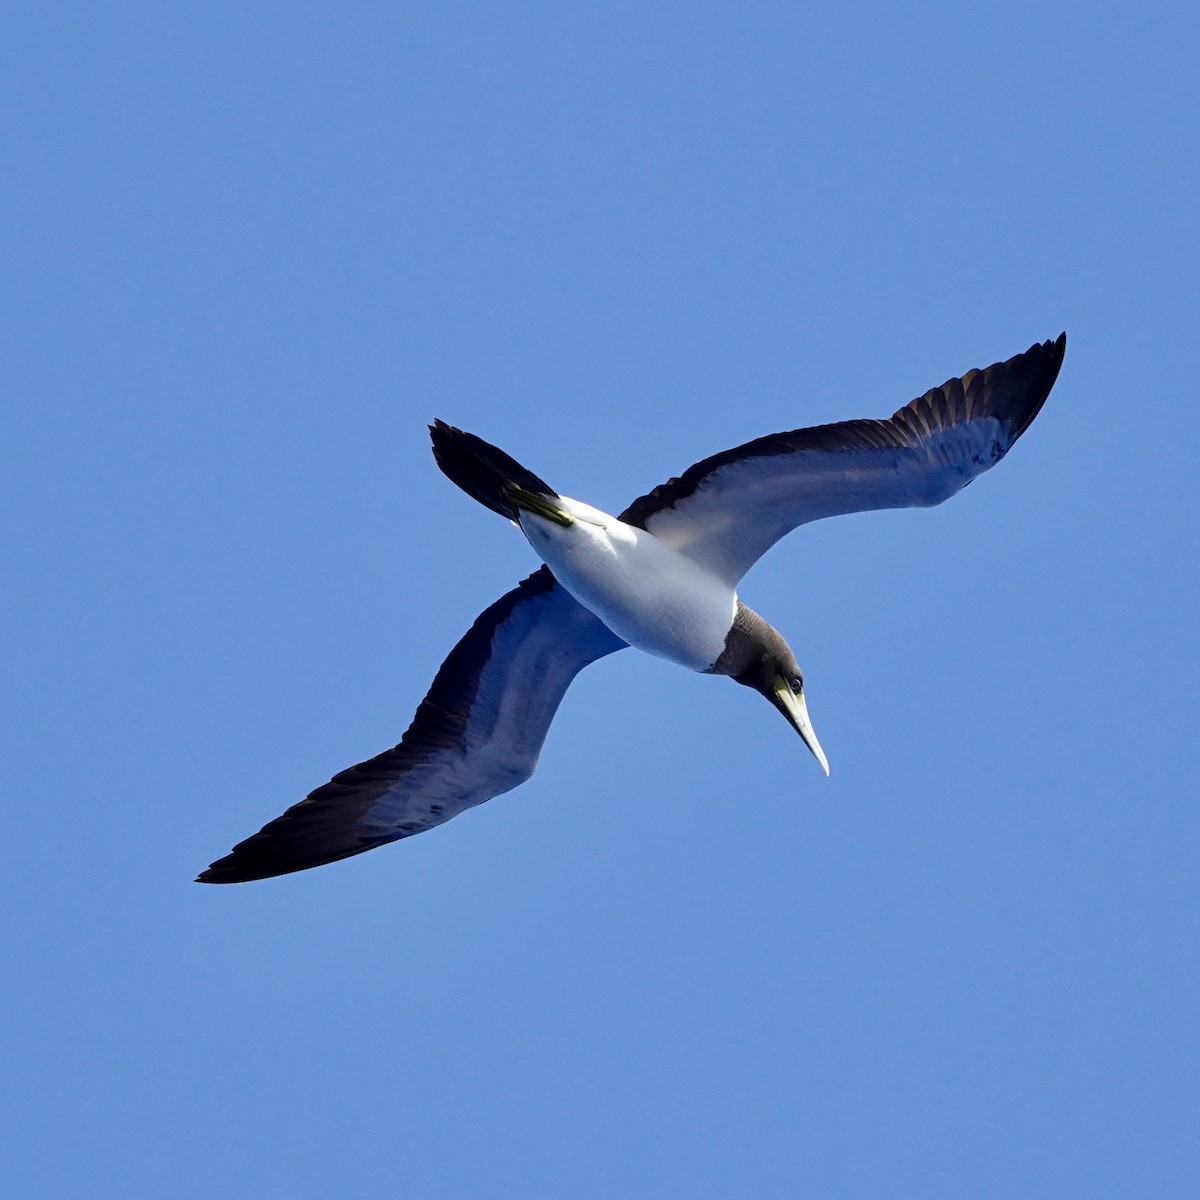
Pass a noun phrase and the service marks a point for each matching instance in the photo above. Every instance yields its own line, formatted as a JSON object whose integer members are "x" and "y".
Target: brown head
{"x": 756, "y": 655}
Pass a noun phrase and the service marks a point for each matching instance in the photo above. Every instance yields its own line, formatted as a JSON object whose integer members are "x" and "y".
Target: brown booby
{"x": 662, "y": 577}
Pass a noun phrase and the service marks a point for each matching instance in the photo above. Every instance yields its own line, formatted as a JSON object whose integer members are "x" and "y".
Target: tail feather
{"x": 483, "y": 471}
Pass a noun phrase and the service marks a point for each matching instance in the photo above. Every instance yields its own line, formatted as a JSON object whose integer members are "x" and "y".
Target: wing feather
{"x": 477, "y": 733}
{"x": 728, "y": 510}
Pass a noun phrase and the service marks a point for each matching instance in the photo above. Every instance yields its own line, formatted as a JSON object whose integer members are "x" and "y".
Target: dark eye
{"x": 797, "y": 685}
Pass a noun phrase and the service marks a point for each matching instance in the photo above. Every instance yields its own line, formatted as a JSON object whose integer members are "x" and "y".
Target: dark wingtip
{"x": 260, "y": 857}
{"x": 222, "y": 871}
{"x": 1038, "y": 367}
{"x": 227, "y": 870}
{"x": 1055, "y": 350}
{"x": 320, "y": 829}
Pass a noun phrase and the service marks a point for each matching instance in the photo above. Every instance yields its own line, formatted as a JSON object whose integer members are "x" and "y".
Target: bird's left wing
{"x": 477, "y": 733}
{"x": 729, "y": 510}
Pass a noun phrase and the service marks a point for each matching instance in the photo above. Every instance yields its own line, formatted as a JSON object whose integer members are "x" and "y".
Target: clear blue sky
{"x": 248, "y": 252}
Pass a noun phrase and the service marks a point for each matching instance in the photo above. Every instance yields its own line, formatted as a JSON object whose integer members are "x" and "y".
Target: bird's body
{"x": 661, "y": 577}
{"x": 645, "y": 591}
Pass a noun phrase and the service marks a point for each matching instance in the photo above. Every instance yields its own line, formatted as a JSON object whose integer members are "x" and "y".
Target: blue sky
{"x": 249, "y": 251}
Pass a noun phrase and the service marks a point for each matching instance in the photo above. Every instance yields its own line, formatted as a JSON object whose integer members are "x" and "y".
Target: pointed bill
{"x": 795, "y": 708}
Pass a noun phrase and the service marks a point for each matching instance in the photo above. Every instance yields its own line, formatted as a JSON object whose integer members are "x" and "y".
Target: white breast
{"x": 648, "y": 594}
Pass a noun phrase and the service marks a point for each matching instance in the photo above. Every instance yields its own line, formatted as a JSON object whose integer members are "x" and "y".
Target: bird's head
{"x": 757, "y": 656}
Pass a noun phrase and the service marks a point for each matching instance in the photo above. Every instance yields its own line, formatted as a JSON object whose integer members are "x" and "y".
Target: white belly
{"x": 648, "y": 594}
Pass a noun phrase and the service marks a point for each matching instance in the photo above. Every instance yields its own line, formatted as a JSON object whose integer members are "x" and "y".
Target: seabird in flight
{"x": 662, "y": 577}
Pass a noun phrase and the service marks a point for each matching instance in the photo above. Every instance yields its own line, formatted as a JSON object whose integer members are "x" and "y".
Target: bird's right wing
{"x": 477, "y": 733}
{"x": 729, "y": 510}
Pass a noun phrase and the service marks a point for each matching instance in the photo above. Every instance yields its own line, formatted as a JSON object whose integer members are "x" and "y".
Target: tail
{"x": 489, "y": 475}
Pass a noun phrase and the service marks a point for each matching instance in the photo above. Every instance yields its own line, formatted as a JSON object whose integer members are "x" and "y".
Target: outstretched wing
{"x": 729, "y": 510}
{"x": 477, "y": 733}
